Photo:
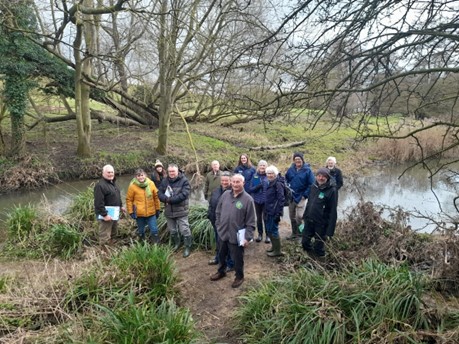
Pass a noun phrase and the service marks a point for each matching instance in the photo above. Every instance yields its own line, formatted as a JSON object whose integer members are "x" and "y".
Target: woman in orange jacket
{"x": 143, "y": 205}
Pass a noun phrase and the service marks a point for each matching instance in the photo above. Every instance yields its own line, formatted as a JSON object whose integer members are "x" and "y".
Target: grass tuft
{"x": 353, "y": 305}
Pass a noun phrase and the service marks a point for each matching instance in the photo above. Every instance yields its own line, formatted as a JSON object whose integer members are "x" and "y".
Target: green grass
{"x": 131, "y": 299}
{"x": 200, "y": 226}
{"x": 21, "y": 222}
{"x": 150, "y": 268}
{"x": 63, "y": 240}
{"x": 147, "y": 323}
{"x": 82, "y": 206}
{"x": 349, "y": 306}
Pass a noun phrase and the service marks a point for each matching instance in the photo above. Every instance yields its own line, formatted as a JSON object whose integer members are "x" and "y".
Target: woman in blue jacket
{"x": 245, "y": 168}
{"x": 257, "y": 189}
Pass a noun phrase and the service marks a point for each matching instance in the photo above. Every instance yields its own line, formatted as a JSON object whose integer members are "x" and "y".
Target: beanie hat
{"x": 298, "y": 155}
{"x": 324, "y": 171}
{"x": 158, "y": 163}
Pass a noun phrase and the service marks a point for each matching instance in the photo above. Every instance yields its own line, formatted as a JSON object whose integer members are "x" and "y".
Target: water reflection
{"x": 411, "y": 191}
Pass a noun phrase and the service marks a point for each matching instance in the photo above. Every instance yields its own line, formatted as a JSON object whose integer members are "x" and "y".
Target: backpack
{"x": 287, "y": 190}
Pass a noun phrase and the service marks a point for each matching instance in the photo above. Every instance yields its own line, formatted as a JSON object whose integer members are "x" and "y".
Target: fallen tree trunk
{"x": 95, "y": 114}
{"x": 287, "y": 145}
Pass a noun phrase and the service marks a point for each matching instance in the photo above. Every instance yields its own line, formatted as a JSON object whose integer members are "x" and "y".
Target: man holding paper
{"x": 235, "y": 222}
{"x": 107, "y": 194}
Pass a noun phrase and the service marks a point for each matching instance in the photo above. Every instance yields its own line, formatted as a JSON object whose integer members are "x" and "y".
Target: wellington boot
{"x": 154, "y": 239}
{"x": 271, "y": 248}
{"x": 276, "y": 252}
{"x": 187, "y": 240}
{"x": 176, "y": 241}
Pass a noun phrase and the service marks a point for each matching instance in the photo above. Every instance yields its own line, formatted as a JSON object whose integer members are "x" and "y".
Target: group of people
{"x": 239, "y": 202}
{"x": 143, "y": 204}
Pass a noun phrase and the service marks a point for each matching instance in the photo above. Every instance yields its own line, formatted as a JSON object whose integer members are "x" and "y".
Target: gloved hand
{"x": 133, "y": 215}
{"x": 158, "y": 212}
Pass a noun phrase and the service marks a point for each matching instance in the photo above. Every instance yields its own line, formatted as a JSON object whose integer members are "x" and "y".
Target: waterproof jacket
{"x": 234, "y": 213}
{"x": 106, "y": 193}
{"x": 336, "y": 177}
{"x": 257, "y": 188}
{"x": 212, "y": 183}
{"x": 137, "y": 196}
{"x": 247, "y": 172}
{"x": 275, "y": 198}
{"x": 300, "y": 181}
{"x": 321, "y": 207}
{"x": 176, "y": 205}
{"x": 213, "y": 202}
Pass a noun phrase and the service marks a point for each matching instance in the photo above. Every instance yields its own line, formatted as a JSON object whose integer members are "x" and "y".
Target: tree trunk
{"x": 166, "y": 63}
{"x": 82, "y": 111}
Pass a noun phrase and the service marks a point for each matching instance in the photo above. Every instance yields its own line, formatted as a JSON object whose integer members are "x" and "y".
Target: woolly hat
{"x": 298, "y": 155}
{"x": 324, "y": 171}
{"x": 158, "y": 163}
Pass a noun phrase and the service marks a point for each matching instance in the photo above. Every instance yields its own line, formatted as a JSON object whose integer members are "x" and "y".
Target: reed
{"x": 428, "y": 143}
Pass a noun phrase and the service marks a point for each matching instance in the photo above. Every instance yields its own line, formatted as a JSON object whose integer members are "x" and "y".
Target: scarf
{"x": 145, "y": 185}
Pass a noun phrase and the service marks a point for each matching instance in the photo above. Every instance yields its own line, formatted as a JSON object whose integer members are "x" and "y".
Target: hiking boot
{"x": 213, "y": 262}
{"x": 237, "y": 282}
{"x": 267, "y": 240}
{"x": 259, "y": 238}
{"x": 217, "y": 276}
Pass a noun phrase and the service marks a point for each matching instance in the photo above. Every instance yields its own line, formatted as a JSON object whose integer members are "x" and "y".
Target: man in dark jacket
{"x": 174, "y": 192}
{"x": 320, "y": 214}
{"x": 299, "y": 178}
{"x": 225, "y": 184}
{"x": 235, "y": 220}
{"x": 107, "y": 194}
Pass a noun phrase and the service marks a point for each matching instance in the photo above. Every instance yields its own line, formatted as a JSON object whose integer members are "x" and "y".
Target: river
{"x": 411, "y": 191}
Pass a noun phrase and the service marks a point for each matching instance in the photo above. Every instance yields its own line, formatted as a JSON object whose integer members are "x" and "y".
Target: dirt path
{"x": 213, "y": 304}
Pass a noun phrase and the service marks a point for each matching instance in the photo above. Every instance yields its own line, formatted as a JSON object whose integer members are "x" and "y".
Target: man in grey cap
{"x": 320, "y": 214}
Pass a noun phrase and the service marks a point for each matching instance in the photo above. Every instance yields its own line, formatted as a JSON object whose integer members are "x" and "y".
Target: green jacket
{"x": 212, "y": 182}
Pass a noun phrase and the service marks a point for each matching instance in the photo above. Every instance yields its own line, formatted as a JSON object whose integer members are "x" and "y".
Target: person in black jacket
{"x": 320, "y": 214}
{"x": 274, "y": 208}
{"x": 106, "y": 193}
{"x": 174, "y": 192}
{"x": 225, "y": 184}
{"x": 336, "y": 176}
